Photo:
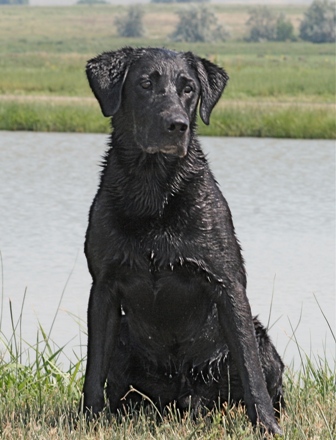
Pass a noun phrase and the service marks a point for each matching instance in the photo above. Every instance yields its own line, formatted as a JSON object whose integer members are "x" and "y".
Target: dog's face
{"x": 159, "y": 98}
{"x": 156, "y": 91}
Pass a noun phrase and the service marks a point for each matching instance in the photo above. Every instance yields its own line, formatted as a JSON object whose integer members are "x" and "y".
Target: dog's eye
{"x": 188, "y": 89}
{"x": 146, "y": 84}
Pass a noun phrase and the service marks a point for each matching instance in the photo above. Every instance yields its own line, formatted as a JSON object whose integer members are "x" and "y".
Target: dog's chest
{"x": 168, "y": 310}
{"x": 157, "y": 246}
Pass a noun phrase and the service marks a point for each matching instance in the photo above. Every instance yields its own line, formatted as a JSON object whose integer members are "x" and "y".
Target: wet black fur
{"x": 168, "y": 312}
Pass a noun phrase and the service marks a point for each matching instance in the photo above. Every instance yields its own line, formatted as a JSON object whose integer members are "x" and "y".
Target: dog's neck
{"x": 141, "y": 185}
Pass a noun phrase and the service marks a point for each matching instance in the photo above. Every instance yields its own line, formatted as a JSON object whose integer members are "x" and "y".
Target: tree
{"x": 318, "y": 25}
{"x": 265, "y": 25}
{"x": 262, "y": 24}
{"x": 198, "y": 24}
{"x": 131, "y": 24}
{"x": 284, "y": 29}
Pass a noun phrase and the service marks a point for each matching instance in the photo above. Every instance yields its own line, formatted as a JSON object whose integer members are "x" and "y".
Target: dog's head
{"x": 154, "y": 93}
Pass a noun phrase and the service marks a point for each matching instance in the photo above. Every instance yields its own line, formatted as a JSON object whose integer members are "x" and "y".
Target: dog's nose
{"x": 177, "y": 125}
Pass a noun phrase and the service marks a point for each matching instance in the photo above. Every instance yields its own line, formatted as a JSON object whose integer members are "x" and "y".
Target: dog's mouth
{"x": 173, "y": 150}
{"x": 179, "y": 151}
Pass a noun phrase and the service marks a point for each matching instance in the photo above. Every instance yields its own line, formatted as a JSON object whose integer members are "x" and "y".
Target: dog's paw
{"x": 91, "y": 408}
{"x": 268, "y": 423}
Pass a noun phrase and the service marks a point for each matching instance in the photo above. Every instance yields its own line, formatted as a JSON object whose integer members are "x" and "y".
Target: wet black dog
{"x": 168, "y": 312}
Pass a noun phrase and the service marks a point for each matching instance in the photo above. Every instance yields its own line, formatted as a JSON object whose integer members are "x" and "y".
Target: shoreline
{"x": 231, "y": 118}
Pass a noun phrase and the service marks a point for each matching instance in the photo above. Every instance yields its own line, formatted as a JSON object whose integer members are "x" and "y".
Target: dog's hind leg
{"x": 271, "y": 364}
{"x": 227, "y": 386}
{"x": 237, "y": 325}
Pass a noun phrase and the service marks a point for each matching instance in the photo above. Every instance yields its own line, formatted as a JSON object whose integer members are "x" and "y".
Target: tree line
{"x": 200, "y": 24}
{"x": 96, "y": 2}
{"x": 14, "y": 2}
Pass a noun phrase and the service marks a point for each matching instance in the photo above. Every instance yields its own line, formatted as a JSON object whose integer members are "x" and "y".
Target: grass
{"x": 48, "y": 116}
{"x": 252, "y": 76}
{"x": 237, "y": 119}
{"x": 40, "y": 400}
{"x": 44, "y": 50}
{"x": 272, "y": 121}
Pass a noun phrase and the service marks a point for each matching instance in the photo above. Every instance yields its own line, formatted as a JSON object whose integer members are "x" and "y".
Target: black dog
{"x": 168, "y": 312}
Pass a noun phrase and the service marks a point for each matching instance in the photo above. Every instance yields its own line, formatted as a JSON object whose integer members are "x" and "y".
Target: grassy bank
{"x": 40, "y": 400}
{"x": 278, "y": 89}
{"x": 233, "y": 119}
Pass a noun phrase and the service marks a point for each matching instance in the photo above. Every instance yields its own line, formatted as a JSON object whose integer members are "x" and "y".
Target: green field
{"x": 275, "y": 89}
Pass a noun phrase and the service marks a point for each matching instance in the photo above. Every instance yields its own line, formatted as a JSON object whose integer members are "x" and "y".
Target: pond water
{"x": 282, "y": 197}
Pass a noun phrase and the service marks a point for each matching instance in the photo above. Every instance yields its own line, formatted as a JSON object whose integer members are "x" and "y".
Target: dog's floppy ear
{"x": 213, "y": 80}
{"x": 106, "y": 74}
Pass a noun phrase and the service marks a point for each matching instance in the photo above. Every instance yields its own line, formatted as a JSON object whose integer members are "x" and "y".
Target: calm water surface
{"x": 282, "y": 197}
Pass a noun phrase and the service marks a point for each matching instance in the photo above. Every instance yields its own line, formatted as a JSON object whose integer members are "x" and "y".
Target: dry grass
{"x": 98, "y": 22}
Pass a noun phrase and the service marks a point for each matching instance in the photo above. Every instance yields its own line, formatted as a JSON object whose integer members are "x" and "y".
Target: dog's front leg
{"x": 103, "y": 329}
{"x": 237, "y": 324}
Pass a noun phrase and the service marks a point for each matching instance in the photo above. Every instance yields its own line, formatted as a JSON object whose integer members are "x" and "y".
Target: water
{"x": 282, "y": 196}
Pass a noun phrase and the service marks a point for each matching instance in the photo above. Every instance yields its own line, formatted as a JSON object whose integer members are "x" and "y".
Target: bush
{"x": 318, "y": 25}
{"x": 198, "y": 24}
{"x": 265, "y": 25}
{"x": 131, "y": 24}
{"x": 284, "y": 29}
{"x": 262, "y": 24}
